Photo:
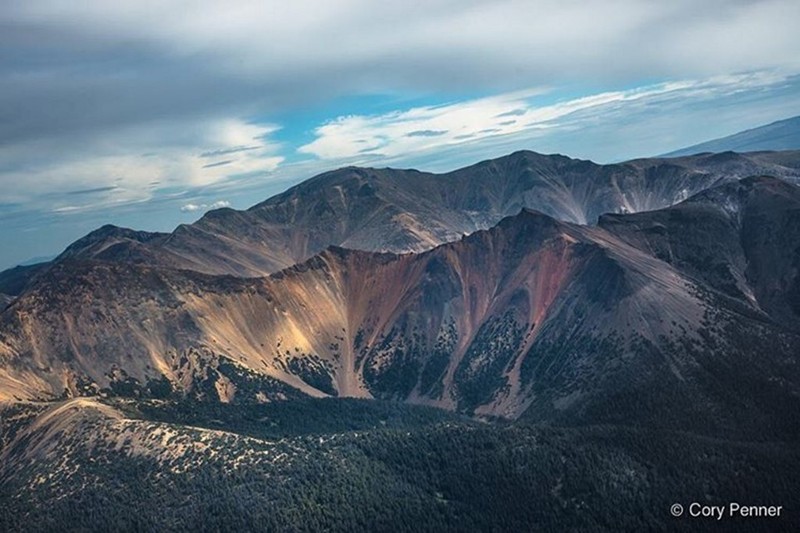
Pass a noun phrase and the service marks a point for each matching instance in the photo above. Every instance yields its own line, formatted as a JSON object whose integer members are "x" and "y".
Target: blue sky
{"x": 145, "y": 114}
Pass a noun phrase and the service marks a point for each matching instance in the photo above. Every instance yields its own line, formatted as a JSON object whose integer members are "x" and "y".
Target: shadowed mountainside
{"x": 739, "y": 239}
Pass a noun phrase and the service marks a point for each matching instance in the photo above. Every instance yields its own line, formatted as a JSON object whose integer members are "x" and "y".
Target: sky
{"x": 146, "y": 114}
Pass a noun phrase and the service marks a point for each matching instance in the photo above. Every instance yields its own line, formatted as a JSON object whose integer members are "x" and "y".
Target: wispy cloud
{"x": 426, "y": 133}
{"x": 85, "y": 68}
{"x": 132, "y": 165}
{"x": 227, "y": 151}
{"x": 191, "y": 208}
{"x": 218, "y": 163}
{"x": 95, "y": 190}
{"x": 403, "y": 133}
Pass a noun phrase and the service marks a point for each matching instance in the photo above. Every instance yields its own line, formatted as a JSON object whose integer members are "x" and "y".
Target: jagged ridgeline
{"x": 410, "y": 211}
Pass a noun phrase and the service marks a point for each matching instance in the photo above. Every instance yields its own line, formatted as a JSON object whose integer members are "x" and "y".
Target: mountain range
{"x": 467, "y": 325}
{"x": 776, "y": 136}
{"x": 657, "y": 295}
{"x": 410, "y": 211}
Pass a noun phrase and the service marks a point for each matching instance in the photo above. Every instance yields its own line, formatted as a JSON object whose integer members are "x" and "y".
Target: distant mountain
{"x": 14, "y": 280}
{"x": 780, "y": 135}
{"x": 37, "y": 260}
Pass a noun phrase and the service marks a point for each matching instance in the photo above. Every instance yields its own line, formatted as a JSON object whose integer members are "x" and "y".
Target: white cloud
{"x": 251, "y": 37}
{"x": 133, "y": 164}
{"x": 402, "y": 133}
{"x": 191, "y": 208}
{"x": 101, "y": 65}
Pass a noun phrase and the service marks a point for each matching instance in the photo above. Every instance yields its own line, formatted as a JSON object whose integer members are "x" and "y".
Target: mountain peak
{"x": 105, "y": 236}
{"x": 526, "y": 217}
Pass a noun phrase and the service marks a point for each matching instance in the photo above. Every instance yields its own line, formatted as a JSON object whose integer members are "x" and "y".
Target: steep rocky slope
{"x": 560, "y": 322}
{"x": 740, "y": 239}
